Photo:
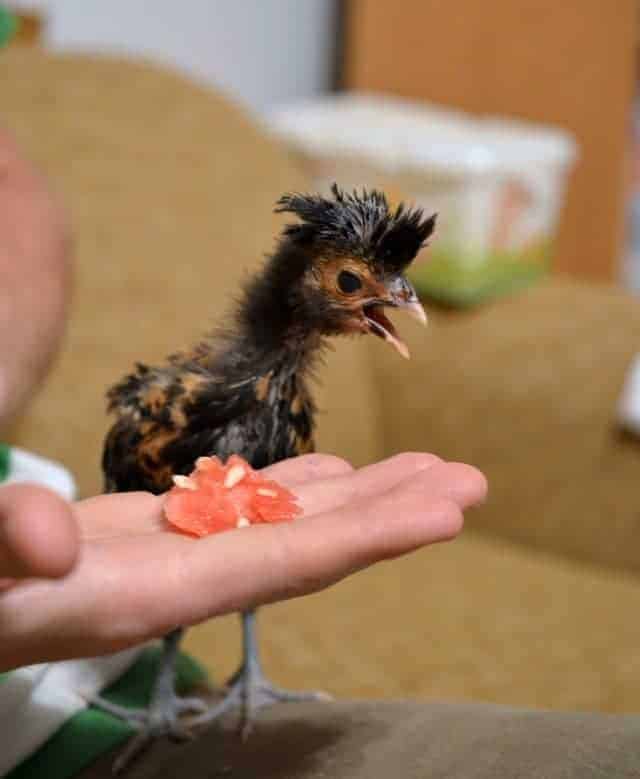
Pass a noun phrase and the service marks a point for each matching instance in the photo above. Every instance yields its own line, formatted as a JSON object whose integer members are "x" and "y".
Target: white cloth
{"x": 629, "y": 405}
{"x": 36, "y": 700}
{"x": 28, "y": 467}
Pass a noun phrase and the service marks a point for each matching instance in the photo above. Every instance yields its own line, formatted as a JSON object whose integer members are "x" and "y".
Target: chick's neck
{"x": 277, "y": 330}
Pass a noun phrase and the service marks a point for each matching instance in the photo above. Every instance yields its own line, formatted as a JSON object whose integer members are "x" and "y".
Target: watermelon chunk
{"x": 217, "y": 497}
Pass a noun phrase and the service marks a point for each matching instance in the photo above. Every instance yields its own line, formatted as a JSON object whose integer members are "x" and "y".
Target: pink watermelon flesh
{"x": 217, "y": 497}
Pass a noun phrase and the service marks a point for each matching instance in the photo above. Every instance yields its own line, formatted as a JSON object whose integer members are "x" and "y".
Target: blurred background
{"x": 534, "y": 61}
{"x": 171, "y": 128}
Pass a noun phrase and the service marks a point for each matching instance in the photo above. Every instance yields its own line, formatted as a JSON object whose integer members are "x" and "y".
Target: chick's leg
{"x": 162, "y": 716}
{"x": 249, "y": 688}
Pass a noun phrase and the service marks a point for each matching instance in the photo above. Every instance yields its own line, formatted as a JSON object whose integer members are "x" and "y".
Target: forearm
{"x": 34, "y": 278}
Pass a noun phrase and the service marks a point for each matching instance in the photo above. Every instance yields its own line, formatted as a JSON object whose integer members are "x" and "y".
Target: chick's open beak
{"x": 399, "y": 293}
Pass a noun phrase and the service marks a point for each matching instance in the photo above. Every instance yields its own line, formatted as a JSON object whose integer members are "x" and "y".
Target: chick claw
{"x": 160, "y": 719}
{"x": 249, "y": 688}
{"x": 252, "y": 691}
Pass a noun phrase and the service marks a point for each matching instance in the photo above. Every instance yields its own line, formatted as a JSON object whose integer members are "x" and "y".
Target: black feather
{"x": 358, "y": 223}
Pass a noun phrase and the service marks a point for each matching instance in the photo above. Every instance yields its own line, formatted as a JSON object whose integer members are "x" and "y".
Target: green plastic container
{"x": 497, "y": 185}
{"x": 8, "y": 25}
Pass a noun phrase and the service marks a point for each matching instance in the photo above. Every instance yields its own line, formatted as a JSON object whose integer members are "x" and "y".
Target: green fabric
{"x": 8, "y": 26}
{"x": 92, "y": 732}
{"x": 5, "y": 459}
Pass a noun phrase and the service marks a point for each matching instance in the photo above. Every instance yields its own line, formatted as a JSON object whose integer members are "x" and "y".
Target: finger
{"x": 113, "y": 515}
{"x": 323, "y": 482}
{"x": 316, "y": 497}
{"x": 298, "y": 470}
{"x": 338, "y": 483}
{"x": 38, "y": 535}
{"x": 117, "y": 514}
{"x": 459, "y": 482}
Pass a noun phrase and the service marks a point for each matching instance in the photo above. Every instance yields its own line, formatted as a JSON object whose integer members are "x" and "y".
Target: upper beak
{"x": 403, "y": 295}
{"x": 399, "y": 294}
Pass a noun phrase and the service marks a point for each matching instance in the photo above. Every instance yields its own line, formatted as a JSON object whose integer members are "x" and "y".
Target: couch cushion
{"x": 171, "y": 190}
{"x": 375, "y": 741}
{"x": 527, "y": 390}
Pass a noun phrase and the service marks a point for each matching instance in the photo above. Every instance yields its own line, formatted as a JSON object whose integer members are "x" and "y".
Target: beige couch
{"x": 171, "y": 189}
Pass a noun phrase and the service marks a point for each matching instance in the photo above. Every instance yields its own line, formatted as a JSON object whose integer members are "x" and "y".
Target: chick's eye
{"x": 349, "y": 282}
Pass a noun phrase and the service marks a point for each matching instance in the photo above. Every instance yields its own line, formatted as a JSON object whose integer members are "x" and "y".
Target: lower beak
{"x": 401, "y": 294}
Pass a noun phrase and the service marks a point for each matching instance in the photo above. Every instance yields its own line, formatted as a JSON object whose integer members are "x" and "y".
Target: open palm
{"x": 134, "y": 579}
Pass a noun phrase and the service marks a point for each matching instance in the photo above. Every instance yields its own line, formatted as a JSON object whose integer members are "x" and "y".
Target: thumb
{"x": 38, "y": 534}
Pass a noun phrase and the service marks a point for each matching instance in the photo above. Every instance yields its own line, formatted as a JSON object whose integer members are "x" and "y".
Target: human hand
{"x": 135, "y": 580}
{"x": 35, "y": 275}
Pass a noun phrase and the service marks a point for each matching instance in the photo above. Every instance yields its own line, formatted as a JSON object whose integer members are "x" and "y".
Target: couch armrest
{"x": 527, "y": 390}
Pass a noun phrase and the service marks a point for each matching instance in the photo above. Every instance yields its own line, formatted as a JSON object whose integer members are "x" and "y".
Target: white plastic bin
{"x": 498, "y": 186}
